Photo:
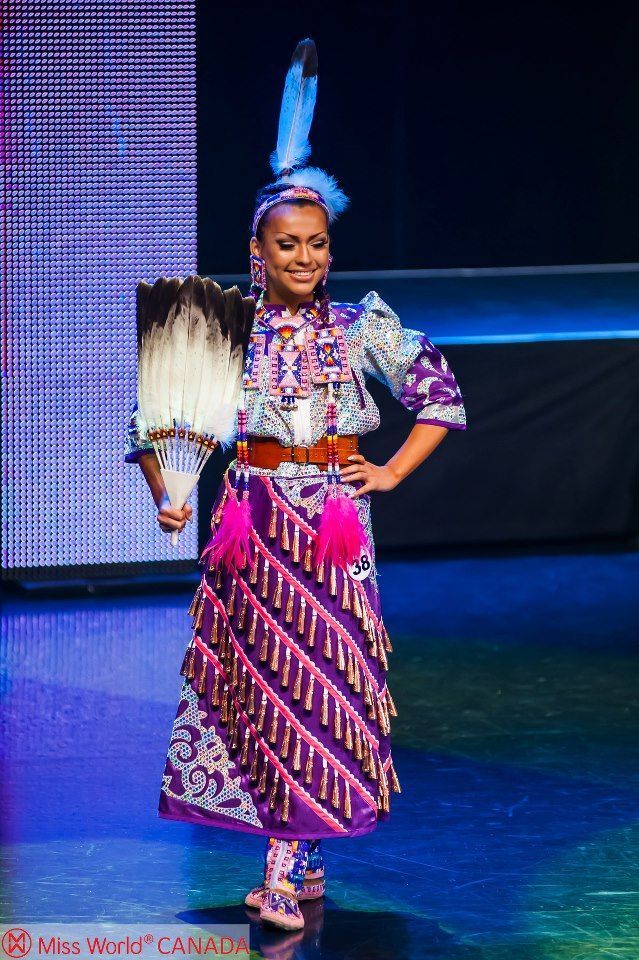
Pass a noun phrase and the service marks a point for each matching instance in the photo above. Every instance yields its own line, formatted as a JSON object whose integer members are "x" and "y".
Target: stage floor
{"x": 516, "y": 834}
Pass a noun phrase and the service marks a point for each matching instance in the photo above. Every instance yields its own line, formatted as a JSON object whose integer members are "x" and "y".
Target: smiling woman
{"x": 283, "y": 725}
{"x": 293, "y": 240}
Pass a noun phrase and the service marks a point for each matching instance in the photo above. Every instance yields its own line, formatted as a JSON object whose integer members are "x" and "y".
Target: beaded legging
{"x": 290, "y": 859}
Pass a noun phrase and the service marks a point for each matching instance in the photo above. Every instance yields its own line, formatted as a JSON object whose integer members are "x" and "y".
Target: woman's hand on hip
{"x": 373, "y": 477}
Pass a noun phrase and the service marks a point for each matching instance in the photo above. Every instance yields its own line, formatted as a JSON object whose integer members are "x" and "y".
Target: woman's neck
{"x": 291, "y": 302}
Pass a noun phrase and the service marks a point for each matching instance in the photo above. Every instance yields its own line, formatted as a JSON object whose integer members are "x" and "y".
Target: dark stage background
{"x": 465, "y": 134}
{"x": 550, "y": 454}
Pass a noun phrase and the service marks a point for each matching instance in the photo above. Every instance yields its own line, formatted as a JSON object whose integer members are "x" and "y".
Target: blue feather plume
{"x": 296, "y": 113}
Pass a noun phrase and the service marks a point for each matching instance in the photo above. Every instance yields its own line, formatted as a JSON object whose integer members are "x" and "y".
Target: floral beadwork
{"x": 204, "y": 766}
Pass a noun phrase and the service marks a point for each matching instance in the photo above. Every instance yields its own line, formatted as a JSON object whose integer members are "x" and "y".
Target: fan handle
{"x": 179, "y": 486}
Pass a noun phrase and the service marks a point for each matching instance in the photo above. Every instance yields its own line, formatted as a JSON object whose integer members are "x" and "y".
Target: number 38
{"x": 361, "y": 568}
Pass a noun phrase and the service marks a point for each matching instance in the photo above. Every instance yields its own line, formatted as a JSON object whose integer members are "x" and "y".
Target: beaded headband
{"x": 289, "y": 193}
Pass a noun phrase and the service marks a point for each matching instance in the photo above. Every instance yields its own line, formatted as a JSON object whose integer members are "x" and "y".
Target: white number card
{"x": 361, "y": 568}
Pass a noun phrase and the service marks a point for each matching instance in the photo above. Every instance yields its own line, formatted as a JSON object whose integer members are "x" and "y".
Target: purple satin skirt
{"x": 283, "y": 723}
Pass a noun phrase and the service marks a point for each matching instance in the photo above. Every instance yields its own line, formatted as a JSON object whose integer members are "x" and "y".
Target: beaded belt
{"x": 268, "y": 453}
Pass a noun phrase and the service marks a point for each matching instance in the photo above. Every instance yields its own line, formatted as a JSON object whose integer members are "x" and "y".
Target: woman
{"x": 283, "y": 725}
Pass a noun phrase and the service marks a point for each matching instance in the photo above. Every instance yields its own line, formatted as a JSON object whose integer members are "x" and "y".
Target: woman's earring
{"x": 328, "y": 267}
{"x": 258, "y": 272}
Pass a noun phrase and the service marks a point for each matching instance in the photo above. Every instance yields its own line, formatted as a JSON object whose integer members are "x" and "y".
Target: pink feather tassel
{"x": 231, "y": 543}
{"x": 340, "y": 536}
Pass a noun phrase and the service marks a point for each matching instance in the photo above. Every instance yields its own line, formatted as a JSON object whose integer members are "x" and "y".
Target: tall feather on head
{"x": 296, "y": 112}
{"x": 293, "y": 146}
{"x": 191, "y": 337}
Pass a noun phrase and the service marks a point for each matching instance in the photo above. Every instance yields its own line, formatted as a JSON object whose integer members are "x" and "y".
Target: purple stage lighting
{"x": 99, "y": 192}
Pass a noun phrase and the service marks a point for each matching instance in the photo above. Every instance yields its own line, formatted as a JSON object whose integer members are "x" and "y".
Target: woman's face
{"x": 295, "y": 248}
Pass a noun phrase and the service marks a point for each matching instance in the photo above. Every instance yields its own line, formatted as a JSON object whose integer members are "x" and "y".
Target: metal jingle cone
{"x": 348, "y": 735}
{"x": 347, "y": 801}
{"x": 295, "y": 552}
{"x": 259, "y": 726}
{"x": 241, "y": 620}
{"x": 308, "y": 699}
{"x": 323, "y": 785}
{"x": 286, "y": 739}
{"x": 395, "y": 785}
{"x": 277, "y": 599}
{"x": 201, "y": 686}
{"x": 275, "y": 656}
{"x": 194, "y": 602}
{"x": 311, "y": 633}
{"x": 215, "y": 692}
{"x": 285, "y": 542}
{"x": 297, "y": 686}
{"x": 272, "y": 527}
{"x": 245, "y": 748}
{"x": 301, "y": 617}
{"x": 263, "y": 657}
{"x": 286, "y": 669}
{"x": 328, "y": 653}
{"x": 285, "y": 804}
{"x": 337, "y": 722}
{"x": 288, "y": 614}
{"x": 261, "y": 788}
{"x": 308, "y": 772}
{"x": 265, "y": 571}
{"x": 230, "y": 603}
{"x": 272, "y": 803}
{"x": 253, "y": 774}
{"x": 184, "y": 669}
{"x": 335, "y": 790}
{"x": 324, "y": 708}
{"x": 272, "y": 733}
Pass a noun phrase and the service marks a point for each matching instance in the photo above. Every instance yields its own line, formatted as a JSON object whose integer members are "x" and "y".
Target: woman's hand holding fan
{"x": 192, "y": 336}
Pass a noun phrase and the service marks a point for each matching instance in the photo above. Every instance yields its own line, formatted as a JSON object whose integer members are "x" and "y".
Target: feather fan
{"x": 192, "y": 338}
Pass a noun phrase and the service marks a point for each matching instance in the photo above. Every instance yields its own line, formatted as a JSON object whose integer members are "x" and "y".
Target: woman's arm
{"x": 419, "y": 445}
{"x": 168, "y": 519}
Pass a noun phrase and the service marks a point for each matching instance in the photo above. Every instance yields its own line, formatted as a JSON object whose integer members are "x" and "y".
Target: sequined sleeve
{"x": 411, "y": 366}
{"x": 137, "y": 439}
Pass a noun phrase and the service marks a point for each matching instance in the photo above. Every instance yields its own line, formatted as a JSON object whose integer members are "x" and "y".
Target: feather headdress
{"x": 296, "y": 112}
{"x": 293, "y": 147}
{"x": 323, "y": 183}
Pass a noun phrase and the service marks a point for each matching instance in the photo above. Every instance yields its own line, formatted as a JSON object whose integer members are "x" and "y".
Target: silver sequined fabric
{"x": 379, "y": 346}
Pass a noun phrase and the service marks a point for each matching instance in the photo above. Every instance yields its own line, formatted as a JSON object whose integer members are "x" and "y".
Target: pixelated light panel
{"x": 99, "y": 192}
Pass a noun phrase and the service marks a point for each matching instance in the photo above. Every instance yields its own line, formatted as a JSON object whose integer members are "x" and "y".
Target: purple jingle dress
{"x": 283, "y": 723}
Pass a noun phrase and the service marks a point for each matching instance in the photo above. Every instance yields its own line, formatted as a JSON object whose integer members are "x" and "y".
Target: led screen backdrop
{"x": 99, "y": 191}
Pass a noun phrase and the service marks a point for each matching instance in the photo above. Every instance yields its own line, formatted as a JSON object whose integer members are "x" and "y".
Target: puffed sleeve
{"x": 137, "y": 438}
{"x": 411, "y": 366}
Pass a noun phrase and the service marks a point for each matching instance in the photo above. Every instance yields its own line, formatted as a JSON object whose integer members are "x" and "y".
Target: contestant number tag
{"x": 362, "y": 567}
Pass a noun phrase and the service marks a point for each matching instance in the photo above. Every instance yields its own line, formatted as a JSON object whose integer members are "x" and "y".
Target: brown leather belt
{"x": 268, "y": 453}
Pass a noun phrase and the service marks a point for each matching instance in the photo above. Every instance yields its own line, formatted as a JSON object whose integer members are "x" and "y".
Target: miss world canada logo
{"x": 16, "y": 943}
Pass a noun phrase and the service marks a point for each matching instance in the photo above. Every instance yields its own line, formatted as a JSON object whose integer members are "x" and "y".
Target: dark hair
{"x": 270, "y": 190}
